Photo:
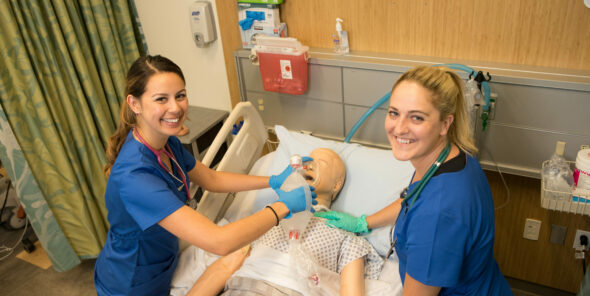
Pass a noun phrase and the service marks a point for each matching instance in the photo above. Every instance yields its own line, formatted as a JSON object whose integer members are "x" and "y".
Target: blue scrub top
{"x": 446, "y": 239}
{"x": 139, "y": 256}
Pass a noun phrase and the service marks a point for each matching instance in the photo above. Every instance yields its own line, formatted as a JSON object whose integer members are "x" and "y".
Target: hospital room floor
{"x": 19, "y": 278}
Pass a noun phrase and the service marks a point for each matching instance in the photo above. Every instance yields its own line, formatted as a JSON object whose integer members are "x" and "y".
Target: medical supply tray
{"x": 564, "y": 201}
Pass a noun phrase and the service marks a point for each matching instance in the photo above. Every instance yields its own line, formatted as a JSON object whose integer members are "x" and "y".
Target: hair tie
{"x": 273, "y": 211}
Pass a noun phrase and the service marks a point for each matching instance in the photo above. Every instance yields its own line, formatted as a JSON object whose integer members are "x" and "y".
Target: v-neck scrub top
{"x": 446, "y": 239}
{"x": 139, "y": 256}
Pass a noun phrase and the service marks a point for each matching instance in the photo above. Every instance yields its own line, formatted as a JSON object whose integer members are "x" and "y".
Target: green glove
{"x": 345, "y": 221}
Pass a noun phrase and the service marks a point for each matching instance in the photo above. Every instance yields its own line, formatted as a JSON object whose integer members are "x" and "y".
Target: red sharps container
{"x": 283, "y": 64}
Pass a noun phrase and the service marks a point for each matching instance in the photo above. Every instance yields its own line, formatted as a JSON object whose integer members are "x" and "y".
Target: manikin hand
{"x": 276, "y": 181}
{"x": 345, "y": 221}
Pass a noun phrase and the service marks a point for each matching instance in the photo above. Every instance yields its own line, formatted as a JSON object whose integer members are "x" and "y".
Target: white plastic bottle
{"x": 473, "y": 98}
{"x": 295, "y": 225}
{"x": 340, "y": 38}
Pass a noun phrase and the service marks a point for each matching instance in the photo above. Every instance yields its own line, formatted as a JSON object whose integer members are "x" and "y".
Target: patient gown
{"x": 269, "y": 268}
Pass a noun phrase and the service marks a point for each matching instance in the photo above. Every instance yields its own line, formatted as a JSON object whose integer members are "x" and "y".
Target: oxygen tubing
{"x": 365, "y": 116}
{"x": 357, "y": 125}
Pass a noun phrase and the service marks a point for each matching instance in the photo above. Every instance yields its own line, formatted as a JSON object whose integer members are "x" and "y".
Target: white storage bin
{"x": 564, "y": 201}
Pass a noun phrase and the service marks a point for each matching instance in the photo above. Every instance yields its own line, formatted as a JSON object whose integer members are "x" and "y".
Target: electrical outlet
{"x": 531, "y": 229}
{"x": 579, "y": 233}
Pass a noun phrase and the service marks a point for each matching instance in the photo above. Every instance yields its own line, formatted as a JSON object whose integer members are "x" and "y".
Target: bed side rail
{"x": 244, "y": 150}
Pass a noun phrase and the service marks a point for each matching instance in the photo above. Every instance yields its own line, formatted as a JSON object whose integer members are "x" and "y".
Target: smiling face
{"x": 326, "y": 173}
{"x": 413, "y": 125}
{"x": 161, "y": 109}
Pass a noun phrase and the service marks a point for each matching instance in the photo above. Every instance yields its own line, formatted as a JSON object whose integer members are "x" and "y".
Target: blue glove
{"x": 345, "y": 221}
{"x": 295, "y": 199}
{"x": 276, "y": 181}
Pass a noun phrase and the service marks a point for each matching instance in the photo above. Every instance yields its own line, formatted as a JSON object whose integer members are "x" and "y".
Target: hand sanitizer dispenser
{"x": 202, "y": 23}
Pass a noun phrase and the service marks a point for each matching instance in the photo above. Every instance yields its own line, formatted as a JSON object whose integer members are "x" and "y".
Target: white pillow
{"x": 374, "y": 179}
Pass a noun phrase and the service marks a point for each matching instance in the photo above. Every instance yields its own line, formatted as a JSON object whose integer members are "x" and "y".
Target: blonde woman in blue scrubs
{"x": 444, "y": 220}
{"x": 149, "y": 173}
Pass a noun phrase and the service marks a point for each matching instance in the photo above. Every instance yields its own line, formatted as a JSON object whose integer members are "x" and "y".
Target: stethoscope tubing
{"x": 413, "y": 195}
{"x": 422, "y": 183}
{"x": 170, "y": 155}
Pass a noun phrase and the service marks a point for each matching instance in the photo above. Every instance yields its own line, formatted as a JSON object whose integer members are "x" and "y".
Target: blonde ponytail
{"x": 447, "y": 89}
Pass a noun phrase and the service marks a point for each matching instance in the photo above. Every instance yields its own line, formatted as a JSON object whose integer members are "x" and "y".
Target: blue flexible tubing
{"x": 365, "y": 116}
{"x": 384, "y": 99}
{"x": 486, "y": 95}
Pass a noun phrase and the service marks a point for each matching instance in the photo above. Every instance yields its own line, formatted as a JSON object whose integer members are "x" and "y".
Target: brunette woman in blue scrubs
{"x": 149, "y": 175}
{"x": 444, "y": 220}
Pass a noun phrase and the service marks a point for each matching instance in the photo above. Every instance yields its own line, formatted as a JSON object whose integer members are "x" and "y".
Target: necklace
{"x": 168, "y": 152}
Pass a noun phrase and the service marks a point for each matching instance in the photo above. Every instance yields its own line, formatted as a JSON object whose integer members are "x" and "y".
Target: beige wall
{"x": 545, "y": 33}
{"x": 167, "y": 32}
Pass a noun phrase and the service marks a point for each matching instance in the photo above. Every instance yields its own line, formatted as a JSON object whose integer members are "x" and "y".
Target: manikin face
{"x": 413, "y": 124}
{"x": 326, "y": 173}
{"x": 161, "y": 109}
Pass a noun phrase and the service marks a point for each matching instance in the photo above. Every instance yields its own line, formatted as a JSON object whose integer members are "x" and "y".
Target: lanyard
{"x": 171, "y": 156}
{"x": 417, "y": 190}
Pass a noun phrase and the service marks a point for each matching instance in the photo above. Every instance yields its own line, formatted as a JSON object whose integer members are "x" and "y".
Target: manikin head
{"x": 327, "y": 174}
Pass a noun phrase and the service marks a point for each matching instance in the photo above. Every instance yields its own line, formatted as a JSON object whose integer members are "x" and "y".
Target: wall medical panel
{"x": 535, "y": 107}
{"x": 299, "y": 113}
{"x": 551, "y": 109}
{"x": 372, "y": 131}
{"x": 364, "y": 87}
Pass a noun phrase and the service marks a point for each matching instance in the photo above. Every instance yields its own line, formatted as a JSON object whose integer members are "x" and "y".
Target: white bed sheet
{"x": 193, "y": 262}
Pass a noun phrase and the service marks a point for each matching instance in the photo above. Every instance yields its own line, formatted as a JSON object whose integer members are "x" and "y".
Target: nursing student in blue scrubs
{"x": 149, "y": 173}
{"x": 444, "y": 220}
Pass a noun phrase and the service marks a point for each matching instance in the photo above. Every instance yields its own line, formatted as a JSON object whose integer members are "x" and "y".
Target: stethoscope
{"x": 413, "y": 195}
{"x": 170, "y": 155}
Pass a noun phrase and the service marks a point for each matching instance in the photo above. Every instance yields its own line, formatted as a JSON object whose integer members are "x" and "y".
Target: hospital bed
{"x": 374, "y": 179}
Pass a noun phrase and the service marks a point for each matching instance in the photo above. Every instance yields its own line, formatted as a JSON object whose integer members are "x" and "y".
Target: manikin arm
{"x": 212, "y": 281}
{"x": 352, "y": 278}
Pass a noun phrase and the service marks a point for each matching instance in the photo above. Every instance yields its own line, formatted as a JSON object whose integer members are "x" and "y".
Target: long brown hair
{"x": 136, "y": 80}
{"x": 448, "y": 99}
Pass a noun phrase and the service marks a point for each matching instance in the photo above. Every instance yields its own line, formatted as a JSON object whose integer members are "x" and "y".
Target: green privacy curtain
{"x": 62, "y": 71}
